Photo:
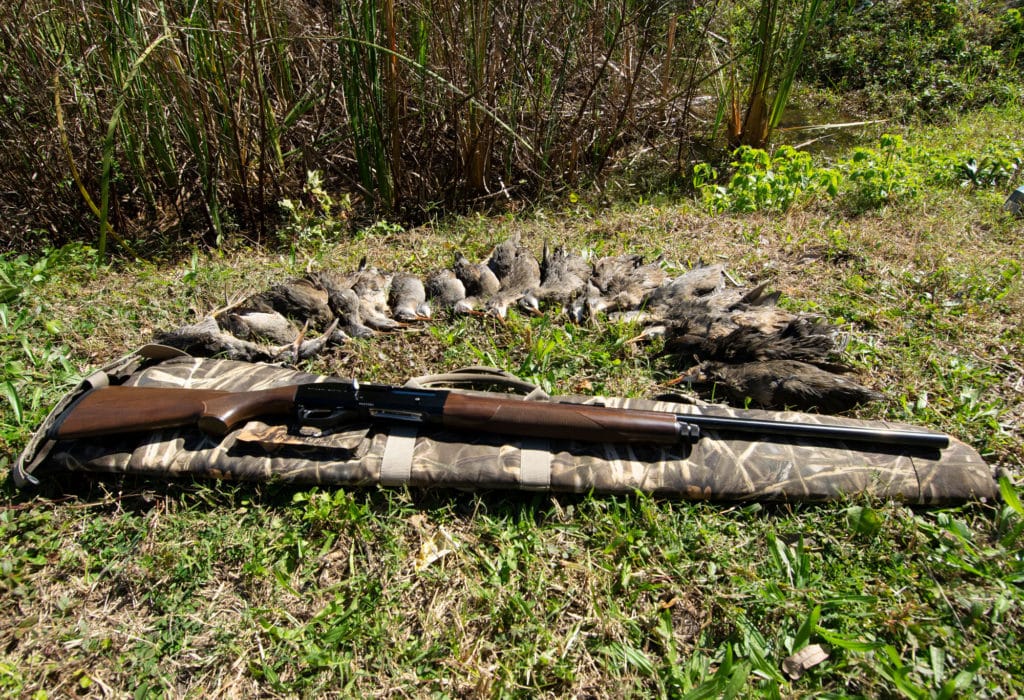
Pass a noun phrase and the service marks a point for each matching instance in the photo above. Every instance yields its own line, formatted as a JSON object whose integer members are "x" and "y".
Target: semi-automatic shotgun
{"x": 120, "y": 409}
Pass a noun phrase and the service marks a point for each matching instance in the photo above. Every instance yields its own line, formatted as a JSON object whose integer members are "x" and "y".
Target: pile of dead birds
{"x": 731, "y": 341}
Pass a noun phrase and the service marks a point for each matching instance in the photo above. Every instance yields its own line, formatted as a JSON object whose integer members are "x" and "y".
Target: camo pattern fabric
{"x": 711, "y": 468}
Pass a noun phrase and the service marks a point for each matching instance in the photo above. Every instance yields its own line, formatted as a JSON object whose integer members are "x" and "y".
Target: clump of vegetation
{"x": 866, "y": 179}
{"x": 764, "y": 182}
{"x": 154, "y": 124}
{"x": 201, "y": 118}
{"x": 910, "y": 57}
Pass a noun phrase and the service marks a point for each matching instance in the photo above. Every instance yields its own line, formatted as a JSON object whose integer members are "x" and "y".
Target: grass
{"x": 122, "y": 586}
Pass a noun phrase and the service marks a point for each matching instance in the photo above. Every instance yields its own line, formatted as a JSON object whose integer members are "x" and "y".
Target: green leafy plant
{"x": 318, "y": 218}
{"x": 761, "y": 181}
{"x": 876, "y": 177}
{"x": 992, "y": 168}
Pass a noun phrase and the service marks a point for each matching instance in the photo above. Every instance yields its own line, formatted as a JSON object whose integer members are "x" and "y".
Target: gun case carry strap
{"x": 715, "y": 467}
{"x": 399, "y": 452}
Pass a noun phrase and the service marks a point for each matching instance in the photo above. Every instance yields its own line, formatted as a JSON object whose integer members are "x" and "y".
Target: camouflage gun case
{"x": 359, "y": 455}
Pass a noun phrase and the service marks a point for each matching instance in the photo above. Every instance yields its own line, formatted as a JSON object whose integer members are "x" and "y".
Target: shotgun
{"x": 127, "y": 409}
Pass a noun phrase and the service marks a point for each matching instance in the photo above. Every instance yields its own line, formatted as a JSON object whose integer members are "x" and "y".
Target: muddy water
{"x": 825, "y": 131}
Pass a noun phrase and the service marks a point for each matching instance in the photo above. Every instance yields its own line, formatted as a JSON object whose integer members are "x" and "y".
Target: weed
{"x": 318, "y": 223}
{"x": 764, "y": 182}
{"x": 878, "y": 177}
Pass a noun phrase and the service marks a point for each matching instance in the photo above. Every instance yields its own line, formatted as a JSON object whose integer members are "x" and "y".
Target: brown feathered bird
{"x": 249, "y": 324}
{"x": 445, "y": 289}
{"x": 344, "y": 302}
{"x": 517, "y": 271}
{"x": 680, "y": 297}
{"x": 779, "y": 384}
{"x": 478, "y": 278}
{"x": 564, "y": 278}
{"x": 710, "y": 337}
{"x": 207, "y": 339}
{"x": 299, "y": 299}
{"x": 371, "y": 286}
{"x": 480, "y": 284}
{"x": 622, "y": 282}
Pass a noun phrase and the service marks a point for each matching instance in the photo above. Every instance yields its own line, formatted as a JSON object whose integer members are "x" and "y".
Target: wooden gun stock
{"x": 127, "y": 409}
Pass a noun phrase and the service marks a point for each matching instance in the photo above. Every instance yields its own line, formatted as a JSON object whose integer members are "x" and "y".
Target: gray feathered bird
{"x": 344, "y": 302}
{"x": 622, "y": 282}
{"x": 564, "y": 278}
{"x": 407, "y": 298}
{"x": 371, "y": 286}
{"x": 519, "y": 274}
{"x": 250, "y": 324}
{"x": 677, "y": 298}
{"x": 480, "y": 284}
{"x": 445, "y": 289}
{"x": 207, "y": 339}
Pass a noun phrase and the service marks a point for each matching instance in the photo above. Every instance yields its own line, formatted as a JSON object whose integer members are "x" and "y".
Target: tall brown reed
{"x": 196, "y": 118}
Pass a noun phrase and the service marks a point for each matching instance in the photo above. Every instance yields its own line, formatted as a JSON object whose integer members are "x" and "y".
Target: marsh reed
{"x": 155, "y": 121}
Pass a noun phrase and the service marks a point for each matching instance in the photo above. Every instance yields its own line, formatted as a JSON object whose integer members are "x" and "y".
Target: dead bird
{"x": 445, "y": 289}
{"x": 250, "y": 324}
{"x": 502, "y": 257}
{"x": 479, "y": 283}
{"x": 622, "y": 282}
{"x": 407, "y": 298}
{"x": 563, "y": 279}
{"x": 675, "y": 298}
{"x": 710, "y": 338}
{"x": 207, "y": 339}
{"x": 478, "y": 279}
{"x": 347, "y": 306}
{"x": 301, "y": 299}
{"x": 344, "y": 302}
{"x": 779, "y": 384}
{"x": 371, "y": 286}
{"x": 521, "y": 274}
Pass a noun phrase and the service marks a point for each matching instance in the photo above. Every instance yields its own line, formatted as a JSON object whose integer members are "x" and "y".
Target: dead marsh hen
{"x": 779, "y": 384}
{"x": 300, "y": 299}
{"x": 737, "y": 325}
{"x": 480, "y": 284}
{"x": 517, "y": 271}
{"x": 621, "y": 283}
{"x": 564, "y": 278}
{"x": 344, "y": 302}
{"x": 407, "y": 298}
{"x": 371, "y": 286}
{"x": 370, "y": 289}
{"x": 444, "y": 289}
{"x": 717, "y": 337}
{"x": 207, "y": 339}
{"x": 250, "y": 324}
{"x": 680, "y": 296}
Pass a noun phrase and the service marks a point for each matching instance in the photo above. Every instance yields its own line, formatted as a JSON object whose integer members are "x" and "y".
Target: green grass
{"x": 119, "y": 585}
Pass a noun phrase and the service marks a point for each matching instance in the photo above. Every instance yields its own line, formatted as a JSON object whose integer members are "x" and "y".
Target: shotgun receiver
{"x": 120, "y": 409}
